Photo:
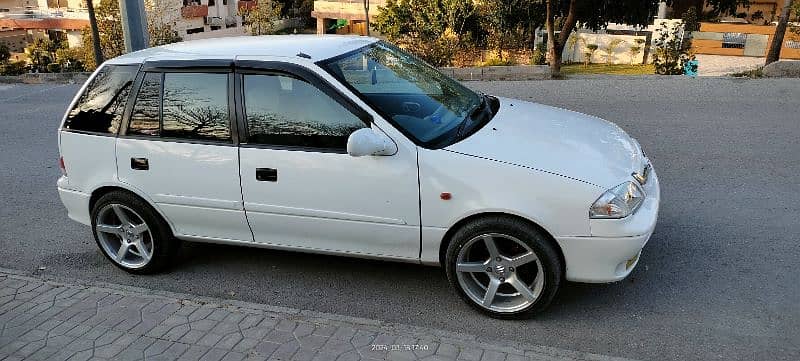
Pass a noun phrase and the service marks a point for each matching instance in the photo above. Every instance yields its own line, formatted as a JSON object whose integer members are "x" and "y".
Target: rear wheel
{"x": 504, "y": 267}
{"x": 132, "y": 234}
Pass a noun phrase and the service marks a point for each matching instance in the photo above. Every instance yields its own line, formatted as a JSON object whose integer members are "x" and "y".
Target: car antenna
{"x": 304, "y": 55}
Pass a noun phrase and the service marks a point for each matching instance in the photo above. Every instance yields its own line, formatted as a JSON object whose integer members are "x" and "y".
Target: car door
{"x": 301, "y": 189}
{"x": 178, "y": 149}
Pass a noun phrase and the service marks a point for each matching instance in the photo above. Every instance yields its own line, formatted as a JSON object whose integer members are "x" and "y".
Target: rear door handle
{"x": 266, "y": 175}
{"x": 140, "y": 164}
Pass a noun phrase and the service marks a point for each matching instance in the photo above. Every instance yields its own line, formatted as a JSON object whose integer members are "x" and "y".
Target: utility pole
{"x": 134, "y": 24}
{"x": 774, "y": 52}
{"x": 98, "y": 52}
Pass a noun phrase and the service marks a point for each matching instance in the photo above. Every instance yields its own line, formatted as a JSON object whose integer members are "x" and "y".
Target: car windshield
{"x": 425, "y": 104}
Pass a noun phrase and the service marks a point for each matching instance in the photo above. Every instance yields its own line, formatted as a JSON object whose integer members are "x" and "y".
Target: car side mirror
{"x": 366, "y": 141}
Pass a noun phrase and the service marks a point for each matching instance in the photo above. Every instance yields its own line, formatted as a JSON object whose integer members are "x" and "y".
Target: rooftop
{"x": 45, "y": 23}
{"x": 318, "y": 47}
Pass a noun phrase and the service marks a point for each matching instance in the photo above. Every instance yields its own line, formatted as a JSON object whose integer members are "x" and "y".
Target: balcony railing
{"x": 194, "y": 11}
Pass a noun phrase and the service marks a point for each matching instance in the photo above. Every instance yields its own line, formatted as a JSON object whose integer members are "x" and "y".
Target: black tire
{"x": 164, "y": 245}
{"x": 535, "y": 239}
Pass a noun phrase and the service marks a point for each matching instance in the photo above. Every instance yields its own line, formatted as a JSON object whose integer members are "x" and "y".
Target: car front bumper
{"x": 613, "y": 249}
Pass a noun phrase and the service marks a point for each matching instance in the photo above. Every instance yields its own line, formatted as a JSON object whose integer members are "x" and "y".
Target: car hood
{"x": 557, "y": 141}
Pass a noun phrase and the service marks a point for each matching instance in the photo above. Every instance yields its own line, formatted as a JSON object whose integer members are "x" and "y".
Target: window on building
{"x": 212, "y": 3}
{"x": 195, "y": 106}
{"x": 287, "y": 111}
{"x": 100, "y": 108}
{"x": 145, "y": 116}
{"x": 195, "y": 30}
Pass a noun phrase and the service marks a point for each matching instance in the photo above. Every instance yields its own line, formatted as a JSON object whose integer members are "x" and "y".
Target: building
{"x": 765, "y": 11}
{"x": 197, "y": 19}
{"x": 344, "y": 16}
{"x": 23, "y": 21}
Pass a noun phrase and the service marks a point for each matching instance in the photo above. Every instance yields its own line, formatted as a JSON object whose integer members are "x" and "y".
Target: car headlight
{"x": 618, "y": 202}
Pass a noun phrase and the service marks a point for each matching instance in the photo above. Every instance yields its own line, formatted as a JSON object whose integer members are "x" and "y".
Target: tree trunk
{"x": 553, "y": 55}
{"x": 366, "y": 16}
{"x": 98, "y": 52}
{"x": 774, "y": 52}
{"x": 555, "y": 47}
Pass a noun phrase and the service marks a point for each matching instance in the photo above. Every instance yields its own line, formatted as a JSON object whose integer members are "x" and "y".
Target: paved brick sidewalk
{"x": 71, "y": 320}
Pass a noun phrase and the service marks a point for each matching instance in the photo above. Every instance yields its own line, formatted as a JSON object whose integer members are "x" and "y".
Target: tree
{"x": 42, "y": 52}
{"x": 111, "y": 38}
{"x": 161, "y": 21}
{"x": 591, "y": 14}
{"x": 670, "y": 51}
{"x": 611, "y": 48}
{"x": 97, "y": 51}
{"x": 5, "y": 54}
{"x": 510, "y": 22}
{"x": 774, "y": 52}
{"x": 588, "y": 53}
{"x": 636, "y": 48}
{"x": 366, "y": 15}
{"x": 432, "y": 30}
{"x": 261, "y": 18}
{"x": 109, "y": 29}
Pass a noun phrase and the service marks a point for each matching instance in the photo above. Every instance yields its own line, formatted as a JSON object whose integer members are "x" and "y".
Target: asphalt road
{"x": 720, "y": 278}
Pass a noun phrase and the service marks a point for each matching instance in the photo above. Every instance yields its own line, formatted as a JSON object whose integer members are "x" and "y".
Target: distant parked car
{"x": 350, "y": 146}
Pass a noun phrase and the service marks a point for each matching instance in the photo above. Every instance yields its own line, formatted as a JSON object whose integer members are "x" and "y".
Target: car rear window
{"x": 99, "y": 109}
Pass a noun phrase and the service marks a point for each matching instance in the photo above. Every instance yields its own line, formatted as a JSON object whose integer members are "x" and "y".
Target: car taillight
{"x": 62, "y": 166}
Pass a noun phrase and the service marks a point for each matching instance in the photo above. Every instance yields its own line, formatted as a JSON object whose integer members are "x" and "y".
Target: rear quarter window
{"x": 99, "y": 109}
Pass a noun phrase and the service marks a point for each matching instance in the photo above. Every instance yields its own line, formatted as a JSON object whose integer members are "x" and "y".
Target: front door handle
{"x": 266, "y": 175}
{"x": 140, "y": 164}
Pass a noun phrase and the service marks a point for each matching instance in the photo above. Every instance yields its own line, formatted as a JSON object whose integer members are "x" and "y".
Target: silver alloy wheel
{"x": 500, "y": 273}
{"x": 124, "y": 236}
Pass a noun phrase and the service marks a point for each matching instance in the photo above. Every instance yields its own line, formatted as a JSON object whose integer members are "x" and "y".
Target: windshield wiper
{"x": 470, "y": 116}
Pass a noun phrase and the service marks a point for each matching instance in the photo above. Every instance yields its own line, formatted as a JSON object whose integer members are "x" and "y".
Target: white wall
{"x": 620, "y": 56}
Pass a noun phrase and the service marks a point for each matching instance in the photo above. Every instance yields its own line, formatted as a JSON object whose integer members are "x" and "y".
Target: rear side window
{"x": 100, "y": 107}
{"x": 145, "y": 117}
{"x": 192, "y": 106}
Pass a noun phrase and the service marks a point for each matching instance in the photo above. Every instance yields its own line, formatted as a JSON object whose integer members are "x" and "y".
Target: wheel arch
{"x": 102, "y": 190}
{"x": 460, "y": 223}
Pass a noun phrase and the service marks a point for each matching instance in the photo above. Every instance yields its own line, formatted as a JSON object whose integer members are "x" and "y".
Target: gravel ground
{"x": 720, "y": 65}
{"x": 718, "y": 279}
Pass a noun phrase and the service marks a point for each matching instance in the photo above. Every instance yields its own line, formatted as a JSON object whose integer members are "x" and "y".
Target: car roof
{"x": 317, "y": 47}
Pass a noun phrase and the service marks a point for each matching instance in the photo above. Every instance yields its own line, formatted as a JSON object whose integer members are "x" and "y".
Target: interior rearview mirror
{"x": 366, "y": 141}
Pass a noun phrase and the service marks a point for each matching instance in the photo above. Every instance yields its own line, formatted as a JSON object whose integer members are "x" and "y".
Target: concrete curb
{"x": 40, "y": 78}
{"x": 461, "y": 341}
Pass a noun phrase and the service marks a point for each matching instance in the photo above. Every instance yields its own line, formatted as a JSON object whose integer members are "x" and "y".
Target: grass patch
{"x": 752, "y": 73}
{"x": 613, "y": 69}
{"x": 498, "y": 62}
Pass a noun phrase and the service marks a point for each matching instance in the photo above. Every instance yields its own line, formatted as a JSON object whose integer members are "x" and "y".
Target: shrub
{"x": 588, "y": 53}
{"x": 54, "y": 68}
{"x": 670, "y": 51}
{"x": 498, "y": 62}
{"x": 13, "y": 68}
{"x": 539, "y": 57}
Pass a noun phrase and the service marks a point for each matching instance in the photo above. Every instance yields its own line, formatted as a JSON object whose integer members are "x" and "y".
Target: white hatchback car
{"x": 350, "y": 146}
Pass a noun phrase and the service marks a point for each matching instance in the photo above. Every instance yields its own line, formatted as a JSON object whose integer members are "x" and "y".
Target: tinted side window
{"x": 100, "y": 107}
{"x": 144, "y": 118}
{"x": 286, "y": 111}
{"x": 195, "y": 106}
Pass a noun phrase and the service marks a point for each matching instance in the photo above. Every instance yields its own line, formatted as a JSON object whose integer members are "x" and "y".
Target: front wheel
{"x": 504, "y": 267}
